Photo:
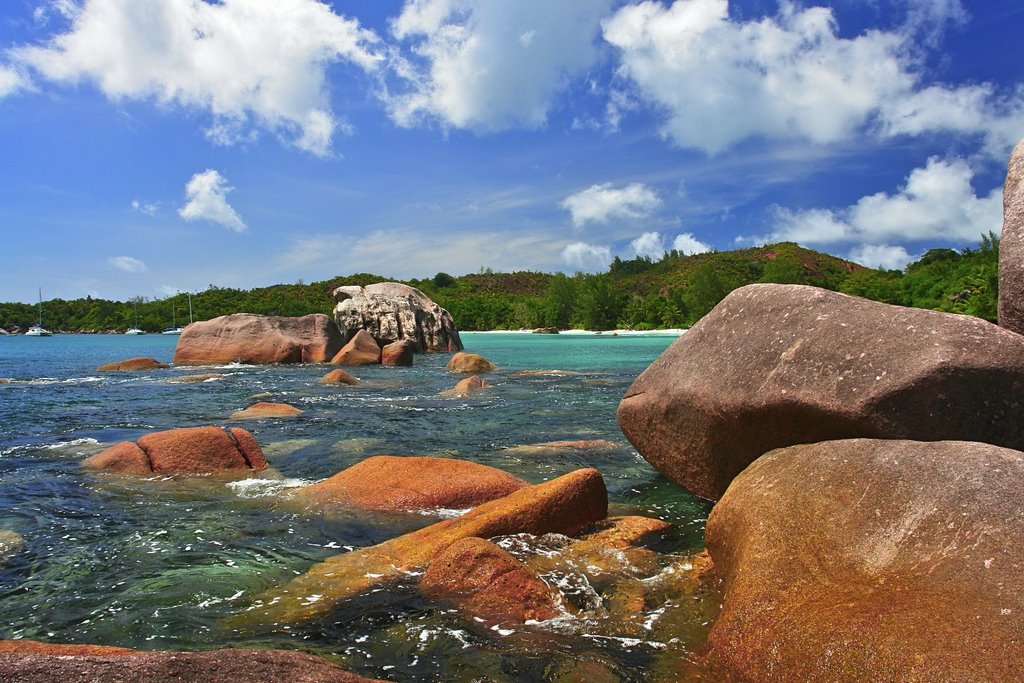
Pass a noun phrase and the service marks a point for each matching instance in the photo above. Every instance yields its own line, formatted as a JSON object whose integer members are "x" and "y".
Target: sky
{"x": 149, "y": 147}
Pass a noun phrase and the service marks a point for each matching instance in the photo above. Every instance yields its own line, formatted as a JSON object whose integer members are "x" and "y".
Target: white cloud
{"x": 882, "y": 256}
{"x": 490, "y": 65}
{"x": 720, "y": 81}
{"x": 648, "y": 244}
{"x": 146, "y": 208}
{"x": 11, "y": 81}
{"x": 686, "y": 243}
{"x": 206, "y": 200}
{"x": 603, "y": 203}
{"x": 586, "y": 257}
{"x": 938, "y": 202}
{"x": 128, "y": 264}
{"x": 259, "y": 64}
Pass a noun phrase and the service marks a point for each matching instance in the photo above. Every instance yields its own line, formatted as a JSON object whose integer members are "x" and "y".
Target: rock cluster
{"x": 192, "y": 450}
{"x": 392, "y": 312}
{"x": 259, "y": 339}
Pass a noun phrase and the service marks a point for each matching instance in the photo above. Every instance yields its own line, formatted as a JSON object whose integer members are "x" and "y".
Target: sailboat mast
{"x": 190, "y": 308}
{"x": 40, "y": 307}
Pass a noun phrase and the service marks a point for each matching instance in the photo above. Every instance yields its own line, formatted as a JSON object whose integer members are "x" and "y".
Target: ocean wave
{"x": 61, "y": 445}
{"x": 260, "y": 488}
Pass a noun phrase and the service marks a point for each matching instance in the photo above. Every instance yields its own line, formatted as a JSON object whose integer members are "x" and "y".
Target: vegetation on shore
{"x": 641, "y": 293}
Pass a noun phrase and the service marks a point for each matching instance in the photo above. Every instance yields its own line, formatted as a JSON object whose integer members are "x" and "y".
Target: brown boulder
{"x": 258, "y": 339}
{"x": 465, "y": 387}
{"x": 390, "y": 312}
{"x": 339, "y": 377}
{"x": 196, "y": 379}
{"x": 1011, "y": 246}
{"x": 265, "y": 409}
{"x": 389, "y": 482}
{"x": 564, "y": 505}
{"x": 361, "y": 349}
{"x": 132, "y": 364}
{"x": 777, "y": 365}
{"x": 871, "y": 560}
{"x": 487, "y": 583}
{"x": 470, "y": 362}
{"x": 193, "y": 450}
{"x": 28, "y": 662}
{"x": 398, "y": 353}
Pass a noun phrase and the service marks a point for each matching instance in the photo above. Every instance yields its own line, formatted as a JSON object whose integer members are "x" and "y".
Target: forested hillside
{"x": 674, "y": 291}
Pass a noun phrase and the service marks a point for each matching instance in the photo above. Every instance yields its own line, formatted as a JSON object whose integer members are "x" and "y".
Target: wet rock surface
{"x": 192, "y": 450}
{"x": 132, "y": 364}
{"x": 259, "y": 339}
{"x": 266, "y": 409}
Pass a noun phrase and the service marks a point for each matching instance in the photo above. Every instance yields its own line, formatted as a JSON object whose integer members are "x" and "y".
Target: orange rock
{"x": 470, "y": 362}
{"x": 488, "y": 583}
{"x": 398, "y": 353}
{"x": 35, "y": 647}
{"x": 388, "y": 482}
{"x": 465, "y": 387}
{"x": 564, "y": 505}
{"x": 551, "y": 447}
{"x": 264, "y": 409}
{"x": 338, "y": 377}
{"x": 132, "y": 364}
{"x": 194, "y": 450}
{"x": 361, "y": 349}
{"x": 258, "y": 339}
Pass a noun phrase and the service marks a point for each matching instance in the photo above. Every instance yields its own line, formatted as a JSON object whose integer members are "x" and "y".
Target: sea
{"x": 163, "y": 563}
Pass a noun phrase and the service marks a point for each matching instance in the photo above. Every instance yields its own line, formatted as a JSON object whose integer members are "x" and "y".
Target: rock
{"x": 390, "y": 312}
{"x": 872, "y": 560}
{"x": 361, "y": 349}
{"x": 389, "y": 482}
{"x": 196, "y": 379}
{"x": 554, "y": 447}
{"x": 488, "y": 583}
{"x": 265, "y": 409}
{"x": 1011, "y": 246}
{"x": 564, "y": 505}
{"x": 398, "y": 353}
{"x": 546, "y": 330}
{"x": 776, "y": 365}
{"x": 258, "y": 339}
{"x": 11, "y": 543}
{"x": 466, "y": 387}
{"x": 470, "y": 362}
{"x": 132, "y": 364}
{"x": 193, "y": 450}
{"x": 29, "y": 662}
{"x": 338, "y": 377}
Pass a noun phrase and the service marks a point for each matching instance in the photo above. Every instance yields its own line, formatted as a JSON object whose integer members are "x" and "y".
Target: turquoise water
{"x": 160, "y": 564}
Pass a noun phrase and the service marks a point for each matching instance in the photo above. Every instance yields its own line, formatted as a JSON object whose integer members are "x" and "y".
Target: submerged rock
{"x": 552, "y": 447}
{"x": 389, "y": 482}
{"x": 398, "y": 353}
{"x": 11, "y": 543}
{"x": 265, "y": 409}
{"x": 470, "y": 362}
{"x": 193, "y": 450}
{"x": 132, "y": 364}
{"x": 776, "y": 365}
{"x": 196, "y": 379}
{"x": 1011, "y": 246}
{"x": 338, "y": 377}
{"x": 487, "y": 583}
{"x": 547, "y": 373}
{"x": 872, "y": 560}
{"x": 466, "y": 387}
{"x": 391, "y": 312}
{"x": 361, "y": 349}
{"x": 259, "y": 339}
{"x": 564, "y": 505}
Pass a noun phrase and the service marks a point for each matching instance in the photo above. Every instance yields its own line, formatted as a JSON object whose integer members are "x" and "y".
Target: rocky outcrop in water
{"x": 1011, "y": 246}
{"x": 398, "y": 353}
{"x": 776, "y": 365}
{"x": 132, "y": 364}
{"x": 193, "y": 450}
{"x": 389, "y": 482}
{"x": 265, "y": 409}
{"x": 361, "y": 349}
{"x": 259, "y": 339}
{"x": 469, "y": 362}
{"x": 11, "y": 543}
{"x": 466, "y": 387}
{"x": 391, "y": 312}
{"x": 34, "y": 662}
{"x": 872, "y": 560}
{"x": 336, "y": 377}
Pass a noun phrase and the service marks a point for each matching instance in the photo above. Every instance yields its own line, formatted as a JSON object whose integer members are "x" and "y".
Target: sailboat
{"x": 39, "y": 330}
{"x": 135, "y": 329}
{"x": 173, "y": 329}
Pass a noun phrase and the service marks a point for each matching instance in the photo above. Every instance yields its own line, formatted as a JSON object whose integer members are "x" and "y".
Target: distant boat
{"x": 135, "y": 329}
{"x": 173, "y": 329}
{"x": 39, "y": 330}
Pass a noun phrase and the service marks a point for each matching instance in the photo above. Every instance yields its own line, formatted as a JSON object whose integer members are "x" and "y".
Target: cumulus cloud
{"x": 720, "y": 81}
{"x": 882, "y": 256}
{"x": 489, "y": 64}
{"x": 648, "y": 244}
{"x": 11, "y": 81}
{"x": 128, "y": 264}
{"x": 249, "y": 64}
{"x": 686, "y": 243}
{"x": 938, "y": 203}
{"x": 206, "y": 200}
{"x": 146, "y": 208}
{"x": 585, "y": 257}
{"x": 603, "y": 203}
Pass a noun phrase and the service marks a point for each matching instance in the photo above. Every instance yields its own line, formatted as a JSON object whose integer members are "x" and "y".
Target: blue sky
{"x": 155, "y": 146}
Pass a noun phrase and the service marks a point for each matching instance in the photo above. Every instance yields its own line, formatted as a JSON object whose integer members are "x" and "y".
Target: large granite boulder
{"x": 777, "y": 365}
{"x": 469, "y": 362}
{"x": 259, "y": 339}
{"x": 872, "y": 560}
{"x": 132, "y": 364}
{"x": 34, "y": 662}
{"x": 391, "y": 312}
{"x": 1011, "y": 246}
{"x": 192, "y": 450}
{"x": 391, "y": 482}
{"x": 398, "y": 353}
{"x": 564, "y": 505}
{"x": 361, "y": 349}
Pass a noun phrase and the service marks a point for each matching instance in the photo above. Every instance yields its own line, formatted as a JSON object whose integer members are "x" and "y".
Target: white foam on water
{"x": 61, "y": 445}
{"x": 260, "y": 488}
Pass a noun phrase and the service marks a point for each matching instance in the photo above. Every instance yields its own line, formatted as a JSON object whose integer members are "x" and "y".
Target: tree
{"x": 704, "y": 290}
